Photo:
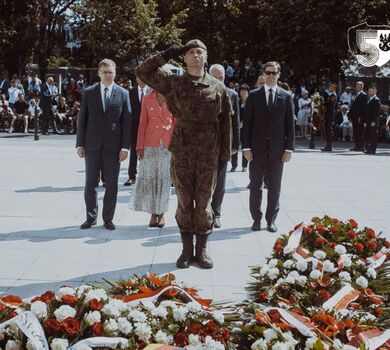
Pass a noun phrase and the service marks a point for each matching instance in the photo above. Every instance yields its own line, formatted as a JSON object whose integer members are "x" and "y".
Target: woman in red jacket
{"x": 153, "y": 187}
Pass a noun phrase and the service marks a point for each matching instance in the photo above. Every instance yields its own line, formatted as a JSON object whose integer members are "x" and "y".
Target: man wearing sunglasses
{"x": 268, "y": 143}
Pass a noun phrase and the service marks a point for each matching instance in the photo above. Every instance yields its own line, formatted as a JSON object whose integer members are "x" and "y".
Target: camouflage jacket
{"x": 192, "y": 100}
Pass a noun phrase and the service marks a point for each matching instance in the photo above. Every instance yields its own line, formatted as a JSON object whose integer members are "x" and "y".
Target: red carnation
{"x": 46, "y": 297}
{"x": 194, "y": 328}
{"x": 353, "y": 223}
{"x": 212, "y": 326}
{"x": 352, "y": 234}
{"x": 358, "y": 247}
{"x": 263, "y": 296}
{"x": 52, "y": 325}
{"x": 321, "y": 228}
{"x": 95, "y": 305}
{"x": 319, "y": 241}
{"x": 181, "y": 339}
{"x": 324, "y": 294}
{"x": 332, "y": 244}
{"x": 71, "y": 325}
{"x": 334, "y": 220}
{"x": 372, "y": 245}
{"x": 334, "y": 229}
{"x": 70, "y": 300}
{"x": 370, "y": 233}
{"x": 307, "y": 230}
{"x": 97, "y": 329}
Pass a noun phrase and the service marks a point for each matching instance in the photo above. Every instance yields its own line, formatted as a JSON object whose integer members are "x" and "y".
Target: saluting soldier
{"x": 201, "y": 139}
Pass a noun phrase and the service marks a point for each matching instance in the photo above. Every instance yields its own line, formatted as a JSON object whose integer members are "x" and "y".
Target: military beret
{"x": 192, "y": 44}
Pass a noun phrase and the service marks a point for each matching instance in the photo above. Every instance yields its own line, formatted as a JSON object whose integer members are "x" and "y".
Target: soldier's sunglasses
{"x": 269, "y": 72}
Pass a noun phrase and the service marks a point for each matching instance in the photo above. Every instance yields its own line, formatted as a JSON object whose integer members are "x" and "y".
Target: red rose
{"x": 12, "y": 299}
{"x": 212, "y": 326}
{"x": 377, "y": 311}
{"x": 71, "y": 325}
{"x": 46, "y": 297}
{"x": 95, "y": 305}
{"x": 315, "y": 219}
{"x": 307, "y": 230}
{"x": 194, "y": 328}
{"x": 70, "y": 300}
{"x": 324, "y": 294}
{"x": 278, "y": 246}
{"x": 352, "y": 234}
{"x": 370, "y": 233}
{"x": 334, "y": 220}
{"x": 353, "y": 223}
{"x": 334, "y": 229}
{"x": 332, "y": 244}
{"x": 97, "y": 329}
{"x": 358, "y": 247}
{"x": 263, "y": 296}
{"x": 372, "y": 245}
{"x": 52, "y": 325}
{"x": 319, "y": 241}
{"x": 181, "y": 339}
{"x": 321, "y": 228}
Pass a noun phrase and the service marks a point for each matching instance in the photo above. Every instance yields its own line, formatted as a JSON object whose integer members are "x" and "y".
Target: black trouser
{"x": 133, "y": 162}
{"x": 234, "y": 160}
{"x": 272, "y": 166}
{"x": 328, "y": 133}
{"x": 370, "y": 137}
{"x": 48, "y": 115}
{"x": 108, "y": 163}
{"x": 358, "y": 133}
{"x": 219, "y": 192}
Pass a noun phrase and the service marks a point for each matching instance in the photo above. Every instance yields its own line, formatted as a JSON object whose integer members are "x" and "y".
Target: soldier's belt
{"x": 196, "y": 126}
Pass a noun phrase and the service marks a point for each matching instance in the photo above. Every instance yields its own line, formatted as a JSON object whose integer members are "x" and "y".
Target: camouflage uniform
{"x": 201, "y": 138}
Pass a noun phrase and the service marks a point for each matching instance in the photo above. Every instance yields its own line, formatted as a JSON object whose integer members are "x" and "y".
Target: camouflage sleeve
{"x": 226, "y": 127}
{"x": 151, "y": 73}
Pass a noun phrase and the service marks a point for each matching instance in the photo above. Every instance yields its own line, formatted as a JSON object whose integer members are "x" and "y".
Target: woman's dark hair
{"x": 244, "y": 87}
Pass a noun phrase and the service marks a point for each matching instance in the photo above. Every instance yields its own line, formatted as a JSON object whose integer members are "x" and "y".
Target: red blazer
{"x": 156, "y": 123}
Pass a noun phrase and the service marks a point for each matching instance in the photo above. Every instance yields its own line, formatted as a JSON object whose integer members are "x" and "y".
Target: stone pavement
{"x": 42, "y": 206}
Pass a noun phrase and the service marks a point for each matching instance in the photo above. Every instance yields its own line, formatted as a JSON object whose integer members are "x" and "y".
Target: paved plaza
{"x": 42, "y": 206}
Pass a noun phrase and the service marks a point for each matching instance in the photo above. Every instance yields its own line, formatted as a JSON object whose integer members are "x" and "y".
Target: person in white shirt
{"x": 346, "y": 96}
{"x": 13, "y": 93}
{"x": 346, "y": 124}
{"x": 304, "y": 113}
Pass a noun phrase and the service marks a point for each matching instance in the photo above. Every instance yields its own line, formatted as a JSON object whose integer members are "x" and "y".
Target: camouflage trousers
{"x": 194, "y": 166}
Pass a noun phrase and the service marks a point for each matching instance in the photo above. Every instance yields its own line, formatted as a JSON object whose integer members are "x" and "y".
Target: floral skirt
{"x": 153, "y": 186}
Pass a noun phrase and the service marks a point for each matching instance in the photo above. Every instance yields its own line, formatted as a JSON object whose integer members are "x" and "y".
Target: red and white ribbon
{"x": 294, "y": 239}
{"x": 342, "y": 298}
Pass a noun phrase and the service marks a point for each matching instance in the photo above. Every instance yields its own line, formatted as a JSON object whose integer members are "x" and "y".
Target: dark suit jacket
{"x": 46, "y": 100}
{"x": 358, "y": 107}
{"x": 107, "y": 130}
{"x": 135, "y": 104}
{"x": 372, "y": 111}
{"x": 235, "y": 118}
{"x": 260, "y": 124}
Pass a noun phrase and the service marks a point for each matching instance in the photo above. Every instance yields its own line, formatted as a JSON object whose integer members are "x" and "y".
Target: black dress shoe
{"x": 233, "y": 169}
{"x": 217, "y": 223}
{"x": 88, "y": 224}
{"x": 127, "y": 183}
{"x": 109, "y": 225}
{"x": 57, "y": 132}
{"x": 45, "y": 133}
{"x": 369, "y": 152}
{"x": 256, "y": 226}
{"x": 326, "y": 149}
{"x": 272, "y": 227}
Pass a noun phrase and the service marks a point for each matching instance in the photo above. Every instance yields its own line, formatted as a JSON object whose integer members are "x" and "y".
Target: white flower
{"x": 264, "y": 270}
{"x": 362, "y": 282}
{"x": 371, "y": 272}
{"x": 111, "y": 326}
{"x": 39, "y": 308}
{"x": 290, "y": 340}
{"x": 259, "y": 344}
{"x": 273, "y": 273}
{"x": 310, "y": 343}
{"x": 13, "y": 345}
{"x": 162, "y": 338}
{"x": 124, "y": 326}
{"x": 143, "y": 331}
{"x": 111, "y": 310}
{"x": 340, "y": 249}
{"x": 159, "y": 312}
{"x": 120, "y": 305}
{"x": 345, "y": 276}
{"x": 270, "y": 334}
{"x": 329, "y": 266}
{"x": 82, "y": 289}
{"x": 93, "y": 317}
{"x": 302, "y": 265}
{"x": 34, "y": 345}
{"x": 65, "y": 291}
{"x": 211, "y": 344}
{"x": 337, "y": 344}
{"x": 280, "y": 346}
{"x": 288, "y": 264}
{"x": 347, "y": 262}
{"x": 147, "y": 305}
{"x": 193, "y": 307}
{"x": 218, "y": 316}
{"x": 99, "y": 294}
{"x": 315, "y": 275}
{"x": 289, "y": 279}
{"x": 368, "y": 317}
{"x": 137, "y": 316}
{"x": 360, "y": 262}
{"x": 180, "y": 314}
{"x": 168, "y": 303}
{"x": 2, "y": 334}
{"x": 302, "y": 280}
{"x": 64, "y": 312}
{"x": 319, "y": 254}
{"x": 194, "y": 339}
{"x": 59, "y": 344}
{"x": 272, "y": 263}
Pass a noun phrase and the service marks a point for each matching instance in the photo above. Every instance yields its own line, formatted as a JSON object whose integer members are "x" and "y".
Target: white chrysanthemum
{"x": 346, "y": 259}
{"x": 39, "y": 308}
{"x": 319, "y": 254}
{"x": 143, "y": 331}
{"x": 194, "y": 339}
{"x": 193, "y": 307}
{"x": 329, "y": 266}
{"x": 148, "y": 305}
{"x": 259, "y": 344}
{"x": 273, "y": 273}
{"x": 13, "y": 345}
{"x": 119, "y": 304}
{"x": 280, "y": 346}
{"x": 99, "y": 294}
{"x": 290, "y": 339}
{"x": 371, "y": 272}
{"x": 360, "y": 262}
{"x": 162, "y": 338}
{"x": 210, "y": 343}
{"x": 111, "y": 310}
{"x": 302, "y": 265}
{"x": 345, "y": 276}
{"x": 64, "y": 312}
{"x": 180, "y": 314}
{"x": 160, "y": 312}
{"x": 272, "y": 263}
{"x": 270, "y": 334}
{"x": 218, "y": 316}
{"x": 65, "y": 291}
{"x": 315, "y": 274}
{"x": 111, "y": 326}
{"x": 340, "y": 249}
{"x": 302, "y": 280}
{"x": 288, "y": 264}
{"x": 310, "y": 343}
{"x": 137, "y": 316}
{"x": 59, "y": 344}
{"x": 264, "y": 270}
{"x": 362, "y": 282}
{"x": 93, "y": 317}
{"x": 124, "y": 326}
{"x": 289, "y": 279}
{"x": 168, "y": 303}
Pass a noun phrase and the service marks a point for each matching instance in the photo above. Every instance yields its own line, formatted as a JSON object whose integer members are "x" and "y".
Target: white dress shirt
{"x": 140, "y": 92}
{"x": 267, "y": 88}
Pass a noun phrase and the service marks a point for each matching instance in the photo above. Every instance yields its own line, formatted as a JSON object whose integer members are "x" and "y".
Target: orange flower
{"x": 70, "y": 300}
{"x": 262, "y": 318}
{"x": 46, "y": 297}
{"x": 320, "y": 227}
{"x": 307, "y": 230}
{"x": 324, "y": 294}
{"x": 334, "y": 220}
{"x": 278, "y": 246}
{"x": 95, "y": 305}
{"x": 349, "y": 323}
{"x": 12, "y": 299}
{"x": 71, "y": 325}
{"x": 156, "y": 281}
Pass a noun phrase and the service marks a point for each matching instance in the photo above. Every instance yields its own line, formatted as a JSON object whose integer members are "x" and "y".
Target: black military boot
{"x": 201, "y": 255}
{"x": 187, "y": 254}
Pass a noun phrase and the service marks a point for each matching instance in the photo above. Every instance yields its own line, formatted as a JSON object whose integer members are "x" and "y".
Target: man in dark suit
{"x": 370, "y": 120}
{"x": 218, "y": 71}
{"x": 136, "y": 96}
{"x": 103, "y": 139}
{"x": 356, "y": 114}
{"x": 330, "y": 102}
{"x": 46, "y": 104}
{"x": 268, "y": 143}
